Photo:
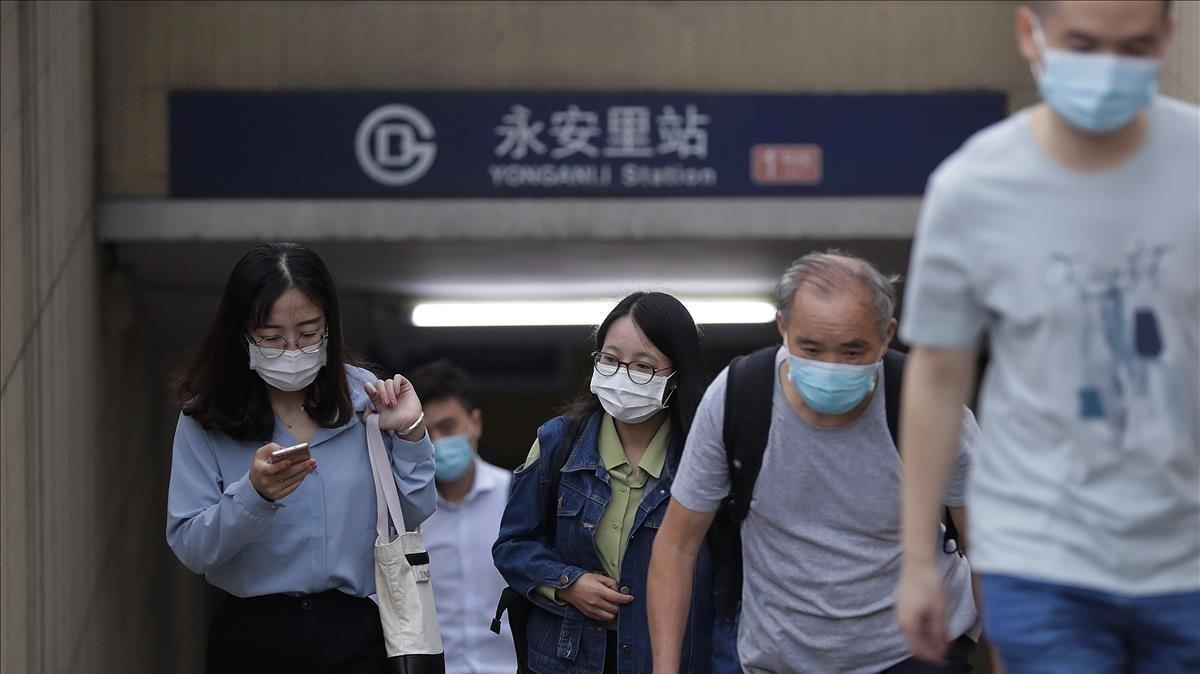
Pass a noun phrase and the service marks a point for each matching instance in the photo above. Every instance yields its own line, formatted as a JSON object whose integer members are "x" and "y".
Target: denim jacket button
{"x": 628, "y": 648}
{"x": 626, "y": 590}
{"x": 562, "y": 580}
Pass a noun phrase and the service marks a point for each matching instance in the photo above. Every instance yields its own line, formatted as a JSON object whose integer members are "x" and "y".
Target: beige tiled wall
{"x": 76, "y": 579}
{"x": 149, "y": 48}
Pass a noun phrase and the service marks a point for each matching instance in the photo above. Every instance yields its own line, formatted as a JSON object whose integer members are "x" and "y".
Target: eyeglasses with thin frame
{"x": 639, "y": 372}
{"x": 275, "y": 345}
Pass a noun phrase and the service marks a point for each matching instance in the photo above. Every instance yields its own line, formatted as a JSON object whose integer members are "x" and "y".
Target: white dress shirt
{"x": 466, "y": 584}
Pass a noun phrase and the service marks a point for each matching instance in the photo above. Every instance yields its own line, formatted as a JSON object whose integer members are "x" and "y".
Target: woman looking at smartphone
{"x": 613, "y": 456}
{"x": 291, "y": 541}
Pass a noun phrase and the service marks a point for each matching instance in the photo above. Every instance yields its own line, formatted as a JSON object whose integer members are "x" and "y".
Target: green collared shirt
{"x": 628, "y": 483}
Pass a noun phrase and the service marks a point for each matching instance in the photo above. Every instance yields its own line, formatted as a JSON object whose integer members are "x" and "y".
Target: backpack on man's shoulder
{"x": 749, "y": 391}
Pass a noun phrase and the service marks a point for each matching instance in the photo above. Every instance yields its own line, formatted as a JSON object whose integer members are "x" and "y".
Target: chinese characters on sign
{"x": 520, "y": 135}
{"x": 534, "y": 144}
{"x": 629, "y": 132}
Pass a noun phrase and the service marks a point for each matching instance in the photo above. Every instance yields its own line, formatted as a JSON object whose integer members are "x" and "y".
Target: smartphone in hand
{"x": 299, "y": 452}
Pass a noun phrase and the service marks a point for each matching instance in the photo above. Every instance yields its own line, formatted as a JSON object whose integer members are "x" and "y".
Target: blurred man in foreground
{"x": 1069, "y": 234}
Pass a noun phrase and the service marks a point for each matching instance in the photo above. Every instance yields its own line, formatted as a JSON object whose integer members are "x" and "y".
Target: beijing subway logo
{"x": 395, "y": 145}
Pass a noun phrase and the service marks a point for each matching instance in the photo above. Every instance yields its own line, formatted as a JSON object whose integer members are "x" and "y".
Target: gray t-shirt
{"x": 1088, "y": 286}
{"x": 821, "y": 544}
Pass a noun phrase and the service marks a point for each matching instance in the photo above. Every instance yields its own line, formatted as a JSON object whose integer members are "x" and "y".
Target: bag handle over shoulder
{"x": 387, "y": 497}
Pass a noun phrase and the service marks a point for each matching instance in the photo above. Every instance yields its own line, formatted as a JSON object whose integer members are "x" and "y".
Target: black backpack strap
{"x": 893, "y": 383}
{"x": 893, "y": 386}
{"x": 749, "y": 392}
{"x": 509, "y": 601}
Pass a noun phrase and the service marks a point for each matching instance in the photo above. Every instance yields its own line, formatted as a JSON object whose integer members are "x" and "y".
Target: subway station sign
{"x": 537, "y": 144}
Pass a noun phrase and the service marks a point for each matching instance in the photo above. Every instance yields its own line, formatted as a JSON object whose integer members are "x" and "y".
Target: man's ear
{"x": 781, "y": 326}
{"x": 889, "y": 336}
{"x": 476, "y": 430}
{"x": 1026, "y": 44}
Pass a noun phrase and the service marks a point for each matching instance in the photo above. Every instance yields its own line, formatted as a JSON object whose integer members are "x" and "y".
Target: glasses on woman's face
{"x": 639, "y": 372}
{"x": 307, "y": 342}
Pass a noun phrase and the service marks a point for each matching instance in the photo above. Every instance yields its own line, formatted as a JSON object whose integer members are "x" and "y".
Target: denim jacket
{"x": 561, "y": 639}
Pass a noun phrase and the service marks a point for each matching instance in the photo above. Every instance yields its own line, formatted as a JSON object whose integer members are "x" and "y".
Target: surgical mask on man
{"x": 1095, "y": 93}
{"x": 290, "y": 371}
{"x": 452, "y": 456}
{"x": 831, "y": 388}
{"x": 630, "y": 402}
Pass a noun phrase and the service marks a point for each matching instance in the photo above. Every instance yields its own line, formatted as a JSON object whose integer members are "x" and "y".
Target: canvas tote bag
{"x": 402, "y": 580}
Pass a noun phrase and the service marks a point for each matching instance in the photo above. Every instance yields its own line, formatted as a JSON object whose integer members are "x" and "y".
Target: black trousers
{"x": 326, "y": 633}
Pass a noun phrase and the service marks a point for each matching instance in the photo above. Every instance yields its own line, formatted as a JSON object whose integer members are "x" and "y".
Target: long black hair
{"x": 219, "y": 390}
{"x": 670, "y": 327}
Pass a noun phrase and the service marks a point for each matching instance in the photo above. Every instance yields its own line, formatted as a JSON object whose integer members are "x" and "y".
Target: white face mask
{"x": 630, "y": 402}
{"x": 1095, "y": 93}
{"x": 291, "y": 371}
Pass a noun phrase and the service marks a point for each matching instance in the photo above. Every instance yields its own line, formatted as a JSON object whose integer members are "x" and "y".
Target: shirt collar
{"x": 485, "y": 481}
{"x": 356, "y": 377}
{"x": 612, "y": 453}
{"x": 656, "y": 452}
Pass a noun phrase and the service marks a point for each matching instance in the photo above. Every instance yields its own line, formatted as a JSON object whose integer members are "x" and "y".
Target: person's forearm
{"x": 206, "y": 538}
{"x": 669, "y": 598}
{"x": 936, "y": 383}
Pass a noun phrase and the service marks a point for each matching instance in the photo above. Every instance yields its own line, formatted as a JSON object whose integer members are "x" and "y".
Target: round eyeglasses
{"x": 639, "y": 372}
{"x": 275, "y": 345}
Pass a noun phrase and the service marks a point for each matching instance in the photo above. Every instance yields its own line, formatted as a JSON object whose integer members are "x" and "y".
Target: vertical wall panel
{"x": 14, "y": 592}
{"x": 78, "y": 590}
{"x": 1181, "y": 75}
{"x": 12, "y": 242}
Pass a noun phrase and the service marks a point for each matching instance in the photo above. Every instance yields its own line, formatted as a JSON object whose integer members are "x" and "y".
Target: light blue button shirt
{"x": 320, "y": 537}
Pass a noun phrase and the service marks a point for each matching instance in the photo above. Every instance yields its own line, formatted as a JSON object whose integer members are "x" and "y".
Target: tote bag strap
{"x": 387, "y": 498}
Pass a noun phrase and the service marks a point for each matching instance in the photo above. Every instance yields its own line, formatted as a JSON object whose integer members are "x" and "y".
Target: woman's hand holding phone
{"x": 277, "y": 480}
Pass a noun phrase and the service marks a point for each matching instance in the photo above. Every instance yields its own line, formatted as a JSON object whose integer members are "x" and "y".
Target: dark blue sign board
{"x": 538, "y": 144}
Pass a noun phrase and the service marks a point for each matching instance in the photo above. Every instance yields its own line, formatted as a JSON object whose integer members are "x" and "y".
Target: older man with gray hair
{"x": 809, "y": 438}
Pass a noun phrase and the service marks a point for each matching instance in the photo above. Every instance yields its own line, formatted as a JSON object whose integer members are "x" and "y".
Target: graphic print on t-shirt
{"x": 1123, "y": 382}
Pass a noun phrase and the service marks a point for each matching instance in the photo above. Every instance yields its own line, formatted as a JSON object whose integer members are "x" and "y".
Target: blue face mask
{"x": 452, "y": 455}
{"x": 1095, "y": 93}
{"x": 831, "y": 388}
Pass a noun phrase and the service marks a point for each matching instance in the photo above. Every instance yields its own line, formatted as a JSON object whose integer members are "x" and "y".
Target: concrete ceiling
{"x": 514, "y": 269}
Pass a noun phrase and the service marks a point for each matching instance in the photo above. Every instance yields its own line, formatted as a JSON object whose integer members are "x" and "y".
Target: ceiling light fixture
{"x": 503, "y": 313}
